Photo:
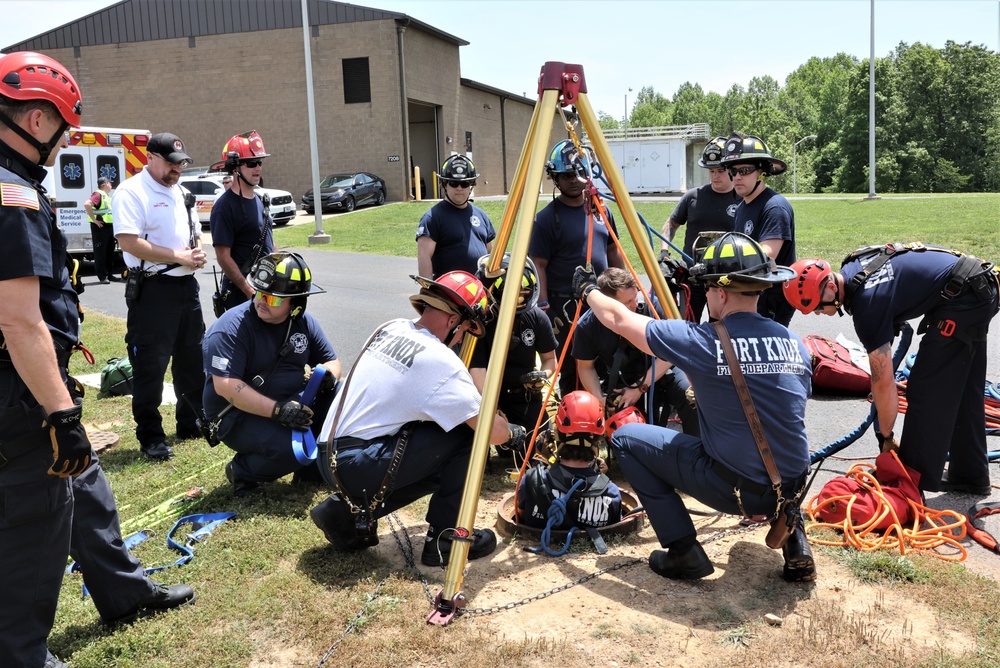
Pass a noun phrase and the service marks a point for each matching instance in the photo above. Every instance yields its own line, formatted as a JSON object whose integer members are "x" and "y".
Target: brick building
{"x": 388, "y": 89}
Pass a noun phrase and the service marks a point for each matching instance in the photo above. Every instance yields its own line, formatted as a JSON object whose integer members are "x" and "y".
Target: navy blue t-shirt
{"x": 704, "y": 210}
{"x": 769, "y": 216}
{"x": 905, "y": 287}
{"x": 461, "y": 236}
{"x": 241, "y": 345}
{"x": 236, "y": 222}
{"x": 778, "y": 374}
{"x": 532, "y": 334}
{"x": 560, "y": 236}
{"x": 595, "y": 342}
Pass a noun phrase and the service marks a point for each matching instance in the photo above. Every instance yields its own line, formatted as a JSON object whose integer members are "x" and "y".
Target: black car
{"x": 343, "y": 192}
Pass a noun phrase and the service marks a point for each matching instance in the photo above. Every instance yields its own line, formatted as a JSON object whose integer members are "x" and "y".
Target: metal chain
{"x": 354, "y": 622}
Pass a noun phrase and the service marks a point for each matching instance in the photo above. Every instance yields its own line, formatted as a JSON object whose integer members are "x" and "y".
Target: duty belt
{"x": 747, "y": 485}
{"x": 62, "y": 358}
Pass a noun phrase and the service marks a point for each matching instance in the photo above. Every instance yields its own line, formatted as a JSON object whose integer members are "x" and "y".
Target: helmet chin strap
{"x": 757, "y": 184}
{"x": 44, "y": 150}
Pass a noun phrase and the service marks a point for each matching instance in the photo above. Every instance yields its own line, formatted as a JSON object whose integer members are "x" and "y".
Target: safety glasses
{"x": 270, "y": 300}
{"x": 745, "y": 170}
{"x": 461, "y": 184}
{"x": 252, "y": 163}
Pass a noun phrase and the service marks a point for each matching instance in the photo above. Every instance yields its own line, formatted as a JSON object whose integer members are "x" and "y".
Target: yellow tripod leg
{"x": 450, "y": 598}
{"x": 635, "y": 228}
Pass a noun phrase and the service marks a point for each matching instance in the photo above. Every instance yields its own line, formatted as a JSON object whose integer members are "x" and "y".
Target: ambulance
{"x": 114, "y": 153}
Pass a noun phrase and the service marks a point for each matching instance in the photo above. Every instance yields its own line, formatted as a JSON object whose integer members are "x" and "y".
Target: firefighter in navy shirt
{"x": 454, "y": 233}
{"x": 884, "y": 286}
{"x": 723, "y": 468}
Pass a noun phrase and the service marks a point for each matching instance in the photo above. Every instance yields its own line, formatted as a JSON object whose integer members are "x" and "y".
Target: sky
{"x": 626, "y": 44}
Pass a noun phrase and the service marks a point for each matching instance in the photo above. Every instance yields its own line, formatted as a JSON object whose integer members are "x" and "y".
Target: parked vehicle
{"x": 208, "y": 187}
{"x": 343, "y": 192}
{"x": 113, "y": 153}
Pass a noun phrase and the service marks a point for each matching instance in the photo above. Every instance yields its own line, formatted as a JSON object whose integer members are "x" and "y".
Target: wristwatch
{"x": 643, "y": 388}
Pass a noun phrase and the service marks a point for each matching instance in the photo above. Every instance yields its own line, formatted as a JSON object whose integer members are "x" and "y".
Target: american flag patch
{"x": 12, "y": 194}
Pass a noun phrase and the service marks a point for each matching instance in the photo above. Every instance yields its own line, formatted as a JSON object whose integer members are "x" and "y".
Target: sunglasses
{"x": 252, "y": 163}
{"x": 745, "y": 170}
{"x": 270, "y": 300}
{"x": 460, "y": 184}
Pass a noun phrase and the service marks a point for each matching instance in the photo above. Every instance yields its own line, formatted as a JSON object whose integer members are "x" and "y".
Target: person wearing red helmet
{"x": 956, "y": 295}
{"x": 723, "y": 467}
{"x": 402, "y": 425}
{"x": 240, "y": 221}
{"x": 47, "y": 465}
{"x": 579, "y": 433}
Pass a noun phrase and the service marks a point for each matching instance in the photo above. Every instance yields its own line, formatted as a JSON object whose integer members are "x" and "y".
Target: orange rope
{"x": 929, "y": 530}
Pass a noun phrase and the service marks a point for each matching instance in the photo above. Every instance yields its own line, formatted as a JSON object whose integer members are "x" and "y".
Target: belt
{"x": 62, "y": 359}
{"x": 561, "y": 295}
{"x": 747, "y": 485}
{"x": 168, "y": 278}
{"x": 350, "y": 443}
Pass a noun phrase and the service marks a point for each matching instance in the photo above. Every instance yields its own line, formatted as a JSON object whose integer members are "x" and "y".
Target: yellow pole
{"x": 498, "y": 354}
{"x": 416, "y": 183}
{"x": 635, "y": 229}
{"x": 514, "y": 198}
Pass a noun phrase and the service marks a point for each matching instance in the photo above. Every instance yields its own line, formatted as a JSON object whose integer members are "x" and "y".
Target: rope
{"x": 928, "y": 530}
{"x": 556, "y": 514}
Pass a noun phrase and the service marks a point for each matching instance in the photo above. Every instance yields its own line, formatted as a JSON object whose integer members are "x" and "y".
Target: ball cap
{"x": 169, "y": 147}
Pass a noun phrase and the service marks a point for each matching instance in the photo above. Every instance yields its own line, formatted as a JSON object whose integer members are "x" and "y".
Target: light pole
{"x": 794, "y": 173}
{"x": 626, "y": 113}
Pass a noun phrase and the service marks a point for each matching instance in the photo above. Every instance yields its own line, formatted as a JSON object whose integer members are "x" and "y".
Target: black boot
{"x": 799, "y": 563}
{"x": 691, "y": 564}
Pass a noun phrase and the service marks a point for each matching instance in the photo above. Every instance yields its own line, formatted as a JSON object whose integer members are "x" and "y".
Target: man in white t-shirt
{"x": 402, "y": 425}
{"x": 161, "y": 242}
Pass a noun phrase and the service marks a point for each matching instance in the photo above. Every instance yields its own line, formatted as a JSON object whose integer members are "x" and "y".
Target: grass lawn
{"x": 825, "y": 226}
{"x": 271, "y": 593}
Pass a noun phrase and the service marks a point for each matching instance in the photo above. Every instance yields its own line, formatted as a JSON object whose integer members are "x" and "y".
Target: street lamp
{"x": 794, "y": 174}
{"x": 626, "y": 113}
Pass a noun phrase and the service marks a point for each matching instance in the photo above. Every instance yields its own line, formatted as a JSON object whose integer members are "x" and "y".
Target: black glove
{"x": 292, "y": 414}
{"x": 71, "y": 449}
{"x": 673, "y": 269}
{"x": 329, "y": 381}
{"x": 518, "y": 435}
{"x": 886, "y": 443}
{"x": 584, "y": 280}
{"x": 533, "y": 380}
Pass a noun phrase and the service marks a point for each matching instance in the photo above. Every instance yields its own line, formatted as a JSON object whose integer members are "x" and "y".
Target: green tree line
{"x": 937, "y": 119}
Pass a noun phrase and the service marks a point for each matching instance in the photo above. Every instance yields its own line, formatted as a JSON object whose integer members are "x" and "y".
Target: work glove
{"x": 71, "y": 449}
{"x": 328, "y": 383}
{"x": 886, "y": 443}
{"x": 292, "y": 414}
{"x": 533, "y": 380}
{"x": 584, "y": 280}
{"x": 516, "y": 438}
{"x": 673, "y": 269}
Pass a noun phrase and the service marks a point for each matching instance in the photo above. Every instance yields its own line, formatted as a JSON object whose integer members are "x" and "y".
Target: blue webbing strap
{"x": 304, "y": 442}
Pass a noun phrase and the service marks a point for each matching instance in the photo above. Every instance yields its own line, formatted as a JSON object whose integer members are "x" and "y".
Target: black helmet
{"x": 458, "y": 168}
{"x": 528, "y": 295}
{"x": 737, "y": 262}
{"x": 712, "y": 155}
{"x": 750, "y": 150}
{"x": 283, "y": 274}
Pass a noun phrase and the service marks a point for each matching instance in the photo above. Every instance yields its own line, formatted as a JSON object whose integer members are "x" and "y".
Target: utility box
{"x": 659, "y": 160}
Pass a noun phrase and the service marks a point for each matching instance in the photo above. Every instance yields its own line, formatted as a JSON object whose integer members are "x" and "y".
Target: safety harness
{"x": 562, "y": 511}
{"x": 968, "y": 270}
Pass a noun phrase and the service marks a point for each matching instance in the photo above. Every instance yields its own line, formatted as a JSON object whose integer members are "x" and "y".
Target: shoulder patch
{"x": 12, "y": 194}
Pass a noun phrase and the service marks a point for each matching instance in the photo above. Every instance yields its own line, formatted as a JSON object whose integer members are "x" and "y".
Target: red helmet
{"x": 239, "y": 149}
{"x": 27, "y": 75}
{"x": 805, "y": 290}
{"x": 623, "y": 417}
{"x": 580, "y": 412}
{"x": 460, "y": 289}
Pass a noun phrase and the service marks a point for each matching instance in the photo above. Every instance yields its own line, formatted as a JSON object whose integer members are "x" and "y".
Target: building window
{"x": 357, "y": 82}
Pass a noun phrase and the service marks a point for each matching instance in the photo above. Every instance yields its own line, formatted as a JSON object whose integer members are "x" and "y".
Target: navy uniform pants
{"x": 112, "y": 574}
{"x": 945, "y": 394}
{"x": 36, "y": 511}
{"x": 435, "y": 462}
{"x": 164, "y": 323}
{"x": 660, "y": 462}
{"x": 103, "y": 237}
{"x": 263, "y": 447}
